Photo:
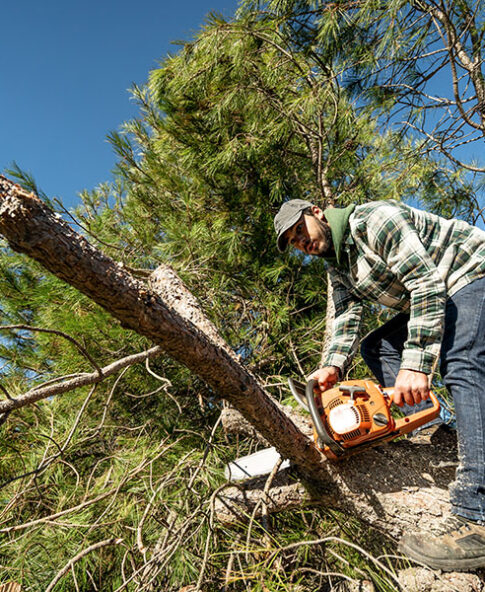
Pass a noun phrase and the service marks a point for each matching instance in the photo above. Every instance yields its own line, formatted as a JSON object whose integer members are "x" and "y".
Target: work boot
{"x": 459, "y": 546}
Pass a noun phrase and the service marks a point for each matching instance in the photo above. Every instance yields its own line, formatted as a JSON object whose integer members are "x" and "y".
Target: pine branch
{"x": 81, "y": 380}
{"x": 30, "y": 227}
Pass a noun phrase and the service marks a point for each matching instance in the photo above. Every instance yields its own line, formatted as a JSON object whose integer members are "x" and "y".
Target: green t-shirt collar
{"x": 338, "y": 220}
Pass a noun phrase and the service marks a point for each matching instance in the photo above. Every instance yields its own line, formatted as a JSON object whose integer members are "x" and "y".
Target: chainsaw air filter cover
{"x": 344, "y": 419}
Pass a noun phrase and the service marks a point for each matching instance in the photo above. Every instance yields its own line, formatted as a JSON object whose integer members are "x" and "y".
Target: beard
{"x": 328, "y": 248}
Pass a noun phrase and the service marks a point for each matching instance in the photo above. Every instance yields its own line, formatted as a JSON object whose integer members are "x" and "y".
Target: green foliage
{"x": 394, "y": 59}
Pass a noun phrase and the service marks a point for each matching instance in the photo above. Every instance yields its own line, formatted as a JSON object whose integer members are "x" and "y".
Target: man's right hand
{"x": 326, "y": 378}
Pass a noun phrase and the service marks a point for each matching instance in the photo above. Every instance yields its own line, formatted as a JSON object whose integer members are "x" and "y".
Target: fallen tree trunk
{"x": 30, "y": 227}
{"x": 392, "y": 487}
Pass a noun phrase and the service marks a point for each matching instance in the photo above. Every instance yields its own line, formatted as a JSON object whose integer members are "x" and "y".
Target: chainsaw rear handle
{"x": 411, "y": 422}
{"x": 321, "y": 430}
{"x": 389, "y": 391}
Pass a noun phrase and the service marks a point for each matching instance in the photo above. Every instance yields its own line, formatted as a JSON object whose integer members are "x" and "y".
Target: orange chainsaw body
{"x": 356, "y": 414}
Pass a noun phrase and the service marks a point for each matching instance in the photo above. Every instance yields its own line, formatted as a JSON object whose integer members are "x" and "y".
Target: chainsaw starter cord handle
{"x": 317, "y": 420}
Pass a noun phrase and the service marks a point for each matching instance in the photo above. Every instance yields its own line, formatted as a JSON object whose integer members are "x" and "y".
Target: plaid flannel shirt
{"x": 406, "y": 259}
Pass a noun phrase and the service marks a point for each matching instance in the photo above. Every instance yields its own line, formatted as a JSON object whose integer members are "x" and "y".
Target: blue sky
{"x": 65, "y": 70}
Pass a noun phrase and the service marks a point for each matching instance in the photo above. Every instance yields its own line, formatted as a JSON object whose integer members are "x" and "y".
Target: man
{"x": 432, "y": 271}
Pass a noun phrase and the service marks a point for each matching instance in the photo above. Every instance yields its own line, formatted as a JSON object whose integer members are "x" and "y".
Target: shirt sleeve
{"x": 394, "y": 238}
{"x": 345, "y": 328}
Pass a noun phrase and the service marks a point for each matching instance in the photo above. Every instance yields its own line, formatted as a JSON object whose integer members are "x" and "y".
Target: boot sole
{"x": 444, "y": 564}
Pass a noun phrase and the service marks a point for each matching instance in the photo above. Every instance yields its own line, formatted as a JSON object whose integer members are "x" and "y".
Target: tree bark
{"x": 30, "y": 227}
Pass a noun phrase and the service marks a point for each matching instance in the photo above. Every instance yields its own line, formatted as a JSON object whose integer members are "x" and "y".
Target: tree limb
{"x": 49, "y": 390}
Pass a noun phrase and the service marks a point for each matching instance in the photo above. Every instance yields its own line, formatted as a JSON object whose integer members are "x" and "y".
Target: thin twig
{"x": 70, "y": 564}
{"x": 81, "y": 349}
{"x": 166, "y": 386}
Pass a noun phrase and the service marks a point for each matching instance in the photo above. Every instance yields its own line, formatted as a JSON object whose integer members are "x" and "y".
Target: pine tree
{"x": 251, "y": 112}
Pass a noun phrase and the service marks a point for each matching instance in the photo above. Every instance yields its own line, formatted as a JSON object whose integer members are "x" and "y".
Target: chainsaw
{"x": 356, "y": 415}
{"x": 346, "y": 419}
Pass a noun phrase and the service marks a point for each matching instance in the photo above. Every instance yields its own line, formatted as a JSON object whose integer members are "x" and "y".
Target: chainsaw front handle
{"x": 389, "y": 391}
{"x": 321, "y": 430}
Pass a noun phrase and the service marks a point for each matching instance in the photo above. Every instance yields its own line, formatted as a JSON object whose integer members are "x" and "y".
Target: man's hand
{"x": 411, "y": 387}
{"x": 326, "y": 378}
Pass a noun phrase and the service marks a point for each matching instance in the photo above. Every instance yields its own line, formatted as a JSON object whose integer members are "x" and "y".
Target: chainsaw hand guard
{"x": 324, "y": 437}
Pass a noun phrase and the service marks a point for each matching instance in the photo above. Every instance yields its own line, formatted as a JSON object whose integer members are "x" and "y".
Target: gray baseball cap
{"x": 288, "y": 215}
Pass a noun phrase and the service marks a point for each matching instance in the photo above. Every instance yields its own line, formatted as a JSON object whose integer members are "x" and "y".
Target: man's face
{"x": 311, "y": 235}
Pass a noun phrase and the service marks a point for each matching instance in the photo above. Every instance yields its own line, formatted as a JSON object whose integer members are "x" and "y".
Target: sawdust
{"x": 423, "y": 580}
